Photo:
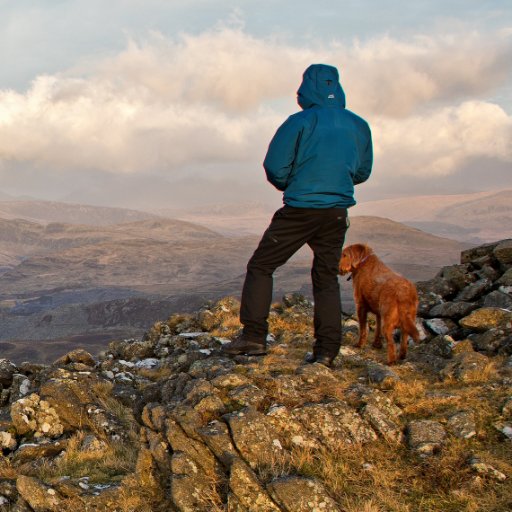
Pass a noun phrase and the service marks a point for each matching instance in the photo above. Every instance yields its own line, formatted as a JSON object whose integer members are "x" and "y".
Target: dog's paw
{"x": 360, "y": 343}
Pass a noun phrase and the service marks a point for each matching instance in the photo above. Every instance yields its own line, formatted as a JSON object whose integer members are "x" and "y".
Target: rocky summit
{"x": 167, "y": 423}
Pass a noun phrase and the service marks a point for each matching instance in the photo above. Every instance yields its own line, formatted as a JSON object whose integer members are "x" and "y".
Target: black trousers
{"x": 324, "y": 231}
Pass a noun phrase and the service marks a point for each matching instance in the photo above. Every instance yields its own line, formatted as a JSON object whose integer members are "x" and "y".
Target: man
{"x": 316, "y": 157}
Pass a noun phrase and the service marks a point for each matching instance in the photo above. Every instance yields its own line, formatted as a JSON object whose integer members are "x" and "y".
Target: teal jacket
{"x": 318, "y": 155}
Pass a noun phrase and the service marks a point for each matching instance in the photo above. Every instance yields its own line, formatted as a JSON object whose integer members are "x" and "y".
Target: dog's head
{"x": 352, "y": 256}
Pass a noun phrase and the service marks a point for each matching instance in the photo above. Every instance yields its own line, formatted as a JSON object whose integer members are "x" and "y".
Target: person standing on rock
{"x": 316, "y": 157}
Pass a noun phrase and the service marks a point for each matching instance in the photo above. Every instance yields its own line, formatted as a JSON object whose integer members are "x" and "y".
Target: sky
{"x": 160, "y": 103}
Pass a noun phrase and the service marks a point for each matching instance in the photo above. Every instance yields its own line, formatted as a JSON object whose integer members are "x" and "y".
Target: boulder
{"x": 490, "y": 341}
{"x": 462, "y": 346}
{"x": 70, "y": 399}
{"x": 483, "y": 319}
{"x": 440, "y": 346}
{"x": 194, "y": 450}
{"x": 217, "y": 438}
{"x": 190, "y": 488}
{"x": 248, "y": 492}
{"x": 426, "y": 437}
{"x": 440, "y": 325}
{"x": 33, "y": 415}
{"x": 297, "y": 494}
{"x": 474, "y": 290}
{"x": 76, "y": 356}
{"x": 505, "y": 279}
{"x": 462, "y": 424}
{"x": 478, "y": 252}
{"x": 466, "y": 367}
{"x": 211, "y": 367}
{"x": 334, "y": 420}
{"x": 254, "y": 436}
{"x": 503, "y": 252}
{"x": 382, "y": 375}
{"x": 459, "y": 276}
{"x": 383, "y": 423}
{"x": 40, "y": 497}
{"x": 437, "y": 286}
{"x": 7, "y": 371}
{"x": 426, "y": 301}
{"x": 20, "y": 387}
{"x": 316, "y": 375}
{"x": 7, "y": 441}
{"x": 452, "y": 309}
{"x": 290, "y": 428}
{"x": 247, "y": 396}
{"x": 488, "y": 272}
{"x": 486, "y": 470}
{"x": 498, "y": 299}
{"x": 32, "y": 451}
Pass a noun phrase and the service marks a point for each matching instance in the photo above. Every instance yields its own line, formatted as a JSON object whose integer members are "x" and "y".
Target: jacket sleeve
{"x": 365, "y": 168}
{"x": 281, "y": 153}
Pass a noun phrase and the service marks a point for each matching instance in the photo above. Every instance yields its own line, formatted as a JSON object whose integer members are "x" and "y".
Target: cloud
{"x": 226, "y": 67}
{"x": 216, "y": 98}
{"x": 92, "y": 124}
{"x": 395, "y": 78}
{"x": 383, "y": 76}
{"x": 440, "y": 143}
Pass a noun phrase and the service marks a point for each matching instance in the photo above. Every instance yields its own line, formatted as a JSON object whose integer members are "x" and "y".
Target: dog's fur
{"x": 377, "y": 289}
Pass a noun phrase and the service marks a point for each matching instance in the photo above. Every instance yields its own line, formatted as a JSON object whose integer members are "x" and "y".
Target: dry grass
{"x": 228, "y": 325}
{"x": 283, "y": 326}
{"x": 380, "y": 477}
{"x": 103, "y": 391}
{"x": 112, "y": 463}
{"x": 7, "y": 471}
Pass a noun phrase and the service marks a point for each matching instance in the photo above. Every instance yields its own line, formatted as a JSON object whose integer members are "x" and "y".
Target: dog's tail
{"x": 408, "y": 317}
{"x": 408, "y": 320}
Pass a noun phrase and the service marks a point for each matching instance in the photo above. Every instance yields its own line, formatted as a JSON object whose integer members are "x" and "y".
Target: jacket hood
{"x": 320, "y": 86}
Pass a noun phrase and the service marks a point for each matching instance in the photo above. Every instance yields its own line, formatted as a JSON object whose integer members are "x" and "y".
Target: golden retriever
{"x": 377, "y": 289}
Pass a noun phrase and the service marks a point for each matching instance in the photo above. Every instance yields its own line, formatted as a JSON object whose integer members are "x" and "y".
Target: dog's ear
{"x": 358, "y": 253}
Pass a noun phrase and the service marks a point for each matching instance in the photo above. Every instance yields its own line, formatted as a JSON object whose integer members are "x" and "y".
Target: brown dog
{"x": 377, "y": 289}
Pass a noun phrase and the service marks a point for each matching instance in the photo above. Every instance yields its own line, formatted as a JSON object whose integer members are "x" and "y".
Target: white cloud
{"x": 92, "y": 124}
{"x": 217, "y": 97}
{"x": 395, "y": 78}
{"x": 439, "y": 143}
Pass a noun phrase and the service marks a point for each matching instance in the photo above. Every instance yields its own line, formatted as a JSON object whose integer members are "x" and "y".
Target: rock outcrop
{"x": 169, "y": 423}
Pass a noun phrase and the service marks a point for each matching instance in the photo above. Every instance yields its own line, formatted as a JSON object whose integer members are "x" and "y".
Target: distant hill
{"x": 22, "y": 239}
{"x": 61, "y": 280}
{"x": 481, "y": 217}
{"x": 51, "y": 211}
{"x": 234, "y": 219}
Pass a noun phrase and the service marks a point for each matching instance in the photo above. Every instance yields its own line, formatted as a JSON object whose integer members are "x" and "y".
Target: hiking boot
{"x": 243, "y": 346}
{"x": 325, "y": 360}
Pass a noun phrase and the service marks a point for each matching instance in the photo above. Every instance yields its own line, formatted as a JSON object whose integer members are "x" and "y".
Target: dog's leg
{"x": 362, "y": 316}
{"x": 388, "y": 334}
{"x": 377, "y": 341}
{"x": 403, "y": 343}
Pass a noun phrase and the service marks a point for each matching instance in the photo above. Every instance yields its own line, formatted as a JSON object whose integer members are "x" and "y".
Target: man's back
{"x": 318, "y": 154}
